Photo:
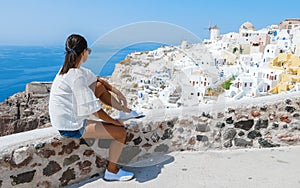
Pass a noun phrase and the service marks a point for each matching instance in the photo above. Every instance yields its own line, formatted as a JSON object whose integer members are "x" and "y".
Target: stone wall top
{"x": 13, "y": 141}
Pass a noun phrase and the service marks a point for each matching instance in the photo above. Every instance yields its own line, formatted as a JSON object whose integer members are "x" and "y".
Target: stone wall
{"x": 55, "y": 161}
{"x": 42, "y": 158}
{"x": 52, "y": 162}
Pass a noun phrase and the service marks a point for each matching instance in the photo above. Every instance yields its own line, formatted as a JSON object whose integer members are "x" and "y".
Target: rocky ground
{"x": 22, "y": 112}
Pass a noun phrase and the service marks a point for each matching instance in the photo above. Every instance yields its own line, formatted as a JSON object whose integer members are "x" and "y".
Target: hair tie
{"x": 72, "y": 50}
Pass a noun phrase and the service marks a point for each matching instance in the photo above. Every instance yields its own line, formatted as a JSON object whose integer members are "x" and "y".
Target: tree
{"x": 226, "y": 84}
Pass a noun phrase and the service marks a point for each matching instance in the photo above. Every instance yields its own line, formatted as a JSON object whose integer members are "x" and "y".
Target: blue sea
{"x": 20, "y": 65}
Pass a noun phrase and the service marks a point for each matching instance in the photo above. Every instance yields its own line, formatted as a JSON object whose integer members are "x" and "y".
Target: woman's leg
{"x": 107, "y": 98}
{"x": 101, "y": 130}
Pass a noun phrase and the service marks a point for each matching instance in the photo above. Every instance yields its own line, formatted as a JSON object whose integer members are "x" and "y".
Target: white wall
{"x": 270, "y": 52}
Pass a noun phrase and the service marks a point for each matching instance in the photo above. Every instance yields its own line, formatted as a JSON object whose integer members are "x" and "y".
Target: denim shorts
{"x": 76, "y": 133}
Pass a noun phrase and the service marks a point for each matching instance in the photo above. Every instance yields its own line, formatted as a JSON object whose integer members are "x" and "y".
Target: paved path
{"x": 275, "y": 167}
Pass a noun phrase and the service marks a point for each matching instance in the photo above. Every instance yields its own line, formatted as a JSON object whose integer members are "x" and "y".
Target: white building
{"x": 199, "y": 80}
{"x": 289, "y": 23}
{"x": 296, "y": 43}
{"x": 254, "y": 38}
{"x": 255, "y": 83}
{"x": 271, "y": 51}
{"x": 252, "y": 41}
{"x": 184, "y": 44}
{"x": 250, "y": 60}
{"x": 241, "y": 87}
{"x": 282, "y": 39}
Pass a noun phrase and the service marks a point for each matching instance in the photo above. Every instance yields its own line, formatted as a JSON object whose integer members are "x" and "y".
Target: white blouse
{"x": 71, "y": 100}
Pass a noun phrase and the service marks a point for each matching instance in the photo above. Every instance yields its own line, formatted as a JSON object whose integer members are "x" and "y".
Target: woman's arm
{"x": 101, "y": 114}
{"x": 105, "y": 84}
{"x": 118, "y": 93}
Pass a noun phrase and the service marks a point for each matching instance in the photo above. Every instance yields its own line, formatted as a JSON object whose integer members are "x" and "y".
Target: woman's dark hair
{"x": 75, "y": 45}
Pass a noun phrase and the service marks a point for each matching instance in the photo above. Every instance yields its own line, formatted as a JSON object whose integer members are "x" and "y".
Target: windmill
{"x": 214, "y": 31}
{"x": 209, "y": 26}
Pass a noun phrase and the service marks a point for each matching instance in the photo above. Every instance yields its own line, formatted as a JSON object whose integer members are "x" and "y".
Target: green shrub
{"x": 226, "y": 84}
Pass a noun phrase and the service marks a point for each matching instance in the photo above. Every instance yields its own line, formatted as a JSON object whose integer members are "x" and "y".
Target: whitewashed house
{"x": 248, "y": 61}
{"x": 255, "y": 83}
{"x": 266, "y": 78}
{"x": 199, "y": 80}
{"x": 289, "y": 23}
{"x": 283, "y": 40}
{"x": 241, "y": 87}
{"x": 271, "y": 51}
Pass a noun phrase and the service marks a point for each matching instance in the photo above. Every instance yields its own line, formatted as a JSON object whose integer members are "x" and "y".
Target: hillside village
{"x": 232, "y": 66}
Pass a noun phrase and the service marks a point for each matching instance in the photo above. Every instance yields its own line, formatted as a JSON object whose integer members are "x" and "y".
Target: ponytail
{"x": 75, "y": 45}
{"x": 70, "y": 61}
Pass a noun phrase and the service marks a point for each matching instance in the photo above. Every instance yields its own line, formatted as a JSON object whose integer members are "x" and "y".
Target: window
{"x": 245, "y": 84}
{"x": 251, "y": 84}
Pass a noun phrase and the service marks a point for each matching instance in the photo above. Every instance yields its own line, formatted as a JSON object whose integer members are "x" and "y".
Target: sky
{"x": 38, "y": 22}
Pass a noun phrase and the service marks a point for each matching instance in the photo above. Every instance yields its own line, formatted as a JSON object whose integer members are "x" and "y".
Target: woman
{"x": 74, "y": 96}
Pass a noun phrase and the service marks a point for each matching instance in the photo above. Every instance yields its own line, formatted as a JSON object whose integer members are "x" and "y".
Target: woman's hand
{"x": 105, "y": 117}
{"x": 121, "y": 98}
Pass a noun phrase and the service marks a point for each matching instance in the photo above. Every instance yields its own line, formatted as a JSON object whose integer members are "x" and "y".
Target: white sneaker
{"x": 122, "y": 175}
{"x": 132, "y": 114}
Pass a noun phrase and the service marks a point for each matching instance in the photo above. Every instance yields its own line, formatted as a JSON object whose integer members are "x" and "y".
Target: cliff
{"x": 26, "y": 110}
